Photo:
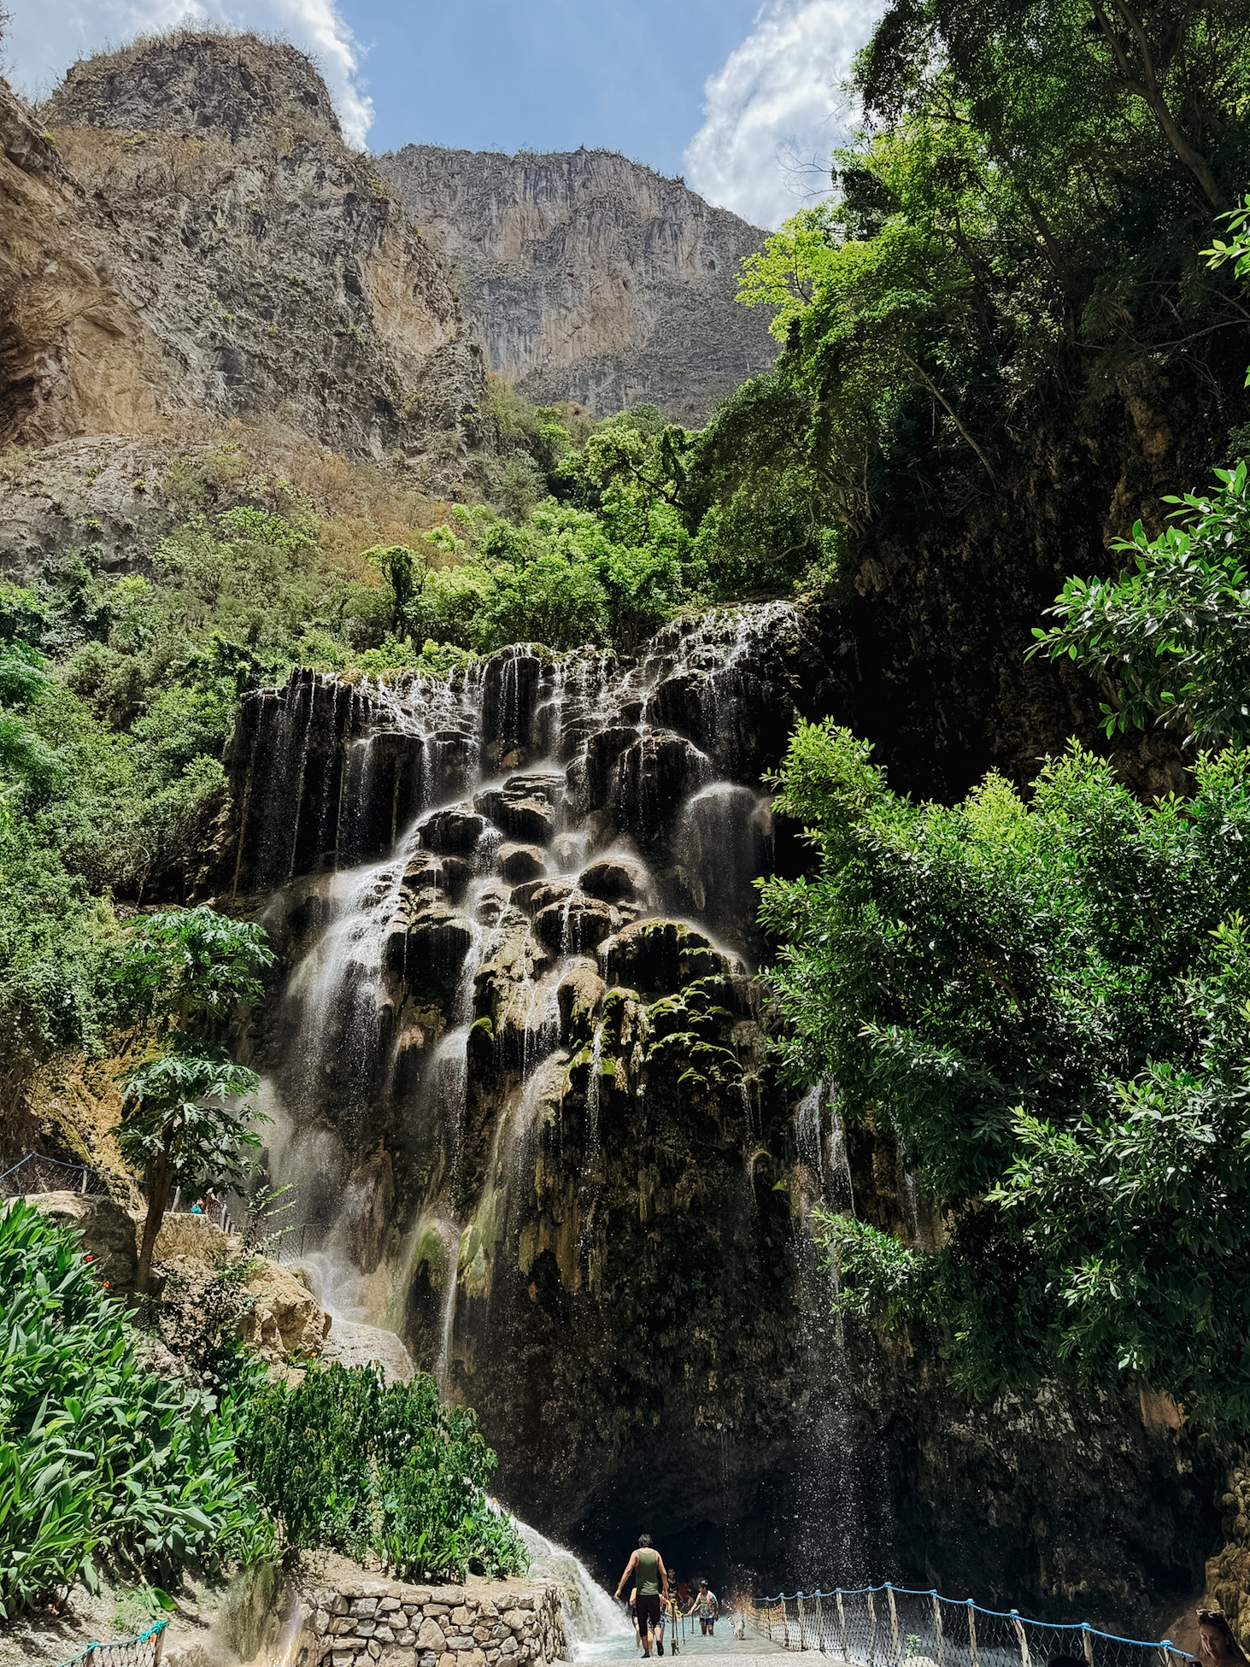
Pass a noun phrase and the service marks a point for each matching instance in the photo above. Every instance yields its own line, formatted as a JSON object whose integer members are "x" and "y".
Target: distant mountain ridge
{"x": 590, "y": 277}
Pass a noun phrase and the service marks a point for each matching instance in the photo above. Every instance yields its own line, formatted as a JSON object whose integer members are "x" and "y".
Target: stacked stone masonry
{"x": 391, "y": 1624}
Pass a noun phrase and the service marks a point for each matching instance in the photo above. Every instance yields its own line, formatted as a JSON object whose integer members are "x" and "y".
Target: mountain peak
{"x": 201, "y": 84}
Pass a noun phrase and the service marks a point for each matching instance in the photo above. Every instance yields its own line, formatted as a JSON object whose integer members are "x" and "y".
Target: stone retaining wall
{"x": 391, "y": 1624}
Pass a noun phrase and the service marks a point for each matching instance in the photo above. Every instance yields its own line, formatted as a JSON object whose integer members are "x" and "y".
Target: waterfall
{"x": 516, "y": 909}
{"x": 590, "y": 1614}
{"x": 836, "y": 1491}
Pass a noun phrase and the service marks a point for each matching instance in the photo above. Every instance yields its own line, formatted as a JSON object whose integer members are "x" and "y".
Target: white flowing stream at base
{"x": 591, "y": 1615}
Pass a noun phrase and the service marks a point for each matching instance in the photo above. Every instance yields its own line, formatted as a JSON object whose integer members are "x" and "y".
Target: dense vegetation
{"x": 104, "y": 1466}
{"x": 346, "y": 1461}
{"x": 1045, "y": 1004}
{"x": 109, "y": 1470}
{"x": 1017, "y": 244}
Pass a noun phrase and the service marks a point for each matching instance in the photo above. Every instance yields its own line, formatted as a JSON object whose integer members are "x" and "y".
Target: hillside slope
{"x": 591, "y": 277}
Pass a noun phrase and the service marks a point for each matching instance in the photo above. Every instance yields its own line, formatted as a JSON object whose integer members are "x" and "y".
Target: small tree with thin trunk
{"x": 183, "y": 973}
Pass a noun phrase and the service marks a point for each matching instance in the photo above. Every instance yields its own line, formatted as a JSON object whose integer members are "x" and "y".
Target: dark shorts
{"x": 647, "y": 1609}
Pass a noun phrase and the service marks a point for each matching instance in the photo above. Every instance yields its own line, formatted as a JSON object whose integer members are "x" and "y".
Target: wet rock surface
{"x": 535, "y": 1130}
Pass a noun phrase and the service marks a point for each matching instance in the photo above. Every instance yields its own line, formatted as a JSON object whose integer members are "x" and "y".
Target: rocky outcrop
{"x": 591, "y": 277}
{"x": 106, "y": 1229}
{"x": 284, "y": 1319}
{"x": 187, "y": 232}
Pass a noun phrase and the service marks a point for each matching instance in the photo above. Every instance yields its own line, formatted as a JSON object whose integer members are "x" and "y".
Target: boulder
{"x": 579, "y": 994}
{"x": 492, "y": 901}
{"x": 452, "y": 832}
{"x": 192, "y": 1236}
{"x": 573, "y": 925}
{"x": 518, "y": 863}
{"x": 422, "y": 871}
{"x": 661, "y": 955}
{"x": 536, "y": 895}
{"x": 285, "y": 1319}
{"x": 612, "y": 880}
{"x": 427, "y": 871}
{"x": 680, "y": 703}
{"x": 528, "y": 819}
{"x": 654, "y": 778}
{"x": 106, "y": 1228}
{"x": 593, "y": 776}
{"x": 438, "y": 939}
{"x": 524, "y": 808}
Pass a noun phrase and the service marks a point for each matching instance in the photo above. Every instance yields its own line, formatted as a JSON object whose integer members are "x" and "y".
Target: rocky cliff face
{"x": 186, "y": 232}
{"x": 517, "y": 1064}
{"x": 589, "y": 276}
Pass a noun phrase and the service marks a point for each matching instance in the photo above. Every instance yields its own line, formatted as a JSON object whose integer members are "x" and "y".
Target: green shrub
{"x": 102, "y": 1463}
{"x": 344, "y": 1460}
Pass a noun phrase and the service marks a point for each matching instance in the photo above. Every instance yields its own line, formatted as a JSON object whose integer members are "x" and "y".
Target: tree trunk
{"x": 1145, "y": 85}
{"x": 160, "y": 1184}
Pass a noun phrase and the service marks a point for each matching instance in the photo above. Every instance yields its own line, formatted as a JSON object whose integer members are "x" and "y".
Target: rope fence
{"x": 144, "y": 1650}
{"x": 894, "y": 1626}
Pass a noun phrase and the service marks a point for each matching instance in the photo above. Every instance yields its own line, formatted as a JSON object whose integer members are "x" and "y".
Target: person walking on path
{"x": 651, "y": 1583}
{"x": 707, "y": 1607}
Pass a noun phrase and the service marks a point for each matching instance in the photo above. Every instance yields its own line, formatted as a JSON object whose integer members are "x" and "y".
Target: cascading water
{"x": 590, "y": 1614}
{"x": 519, "y": 1046}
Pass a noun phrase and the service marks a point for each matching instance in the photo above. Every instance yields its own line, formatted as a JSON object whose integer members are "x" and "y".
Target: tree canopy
{"x": 1045, "y": 1005}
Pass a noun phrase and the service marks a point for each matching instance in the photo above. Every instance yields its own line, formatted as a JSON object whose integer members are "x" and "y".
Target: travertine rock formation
{"x": 520, "y": 1083}
{"x": 591, "y": 277}
{"x": 187, "y": 232}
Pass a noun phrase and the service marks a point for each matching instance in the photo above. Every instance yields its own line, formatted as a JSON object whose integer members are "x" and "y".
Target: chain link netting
{"x": 892, "y": 1626}
{"x": 144, "y": 1650}
{"x": 36, "y": 1173}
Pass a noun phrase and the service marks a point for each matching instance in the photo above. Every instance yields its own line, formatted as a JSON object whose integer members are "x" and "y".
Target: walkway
{"x": 743, "y": 1652}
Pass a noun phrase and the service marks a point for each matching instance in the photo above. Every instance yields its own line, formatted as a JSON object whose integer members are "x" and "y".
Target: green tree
{"x": 399, "y": 566}
{"x": 1171, "y": 636}
{"x": 186, "y": 968}
{"x": 1044, "y": 1004}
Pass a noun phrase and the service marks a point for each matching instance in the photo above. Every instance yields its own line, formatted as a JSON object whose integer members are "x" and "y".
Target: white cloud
{"x": 775, "y": 110}
{"x": 46, "y": 36}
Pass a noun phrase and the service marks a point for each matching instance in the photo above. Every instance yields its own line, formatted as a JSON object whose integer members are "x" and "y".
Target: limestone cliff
{"x": 186, "y": 232}
{"x": 591, "y": 277}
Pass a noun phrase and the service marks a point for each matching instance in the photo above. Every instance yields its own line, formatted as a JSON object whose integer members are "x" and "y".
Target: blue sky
{"x": 549, "y": 74}
{"x": 741, "y": 97}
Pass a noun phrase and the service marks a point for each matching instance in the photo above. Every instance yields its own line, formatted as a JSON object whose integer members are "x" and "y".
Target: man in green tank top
{"x": 650, "y": 1579}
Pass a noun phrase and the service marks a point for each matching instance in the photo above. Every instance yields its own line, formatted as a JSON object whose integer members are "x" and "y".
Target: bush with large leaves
{"x": 103, "y": 1465}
